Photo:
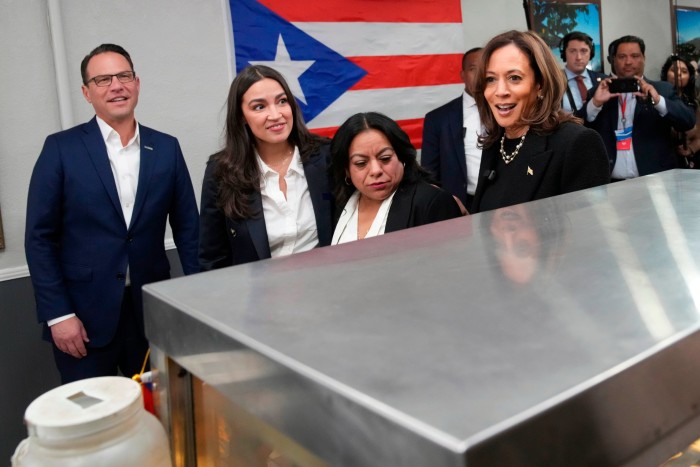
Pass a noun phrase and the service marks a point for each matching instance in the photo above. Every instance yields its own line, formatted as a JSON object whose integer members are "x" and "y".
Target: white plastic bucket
{"x": 92, "y": 422}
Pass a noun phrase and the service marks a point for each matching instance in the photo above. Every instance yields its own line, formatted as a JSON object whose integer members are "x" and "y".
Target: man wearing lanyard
{"x": 636, "y": 126}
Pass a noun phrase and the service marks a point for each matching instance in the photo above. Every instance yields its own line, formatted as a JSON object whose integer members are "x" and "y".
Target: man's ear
{"x": 86, "y": 94}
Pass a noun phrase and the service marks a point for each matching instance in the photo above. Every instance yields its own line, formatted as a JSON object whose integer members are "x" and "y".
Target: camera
{"x": 618, "y": 85}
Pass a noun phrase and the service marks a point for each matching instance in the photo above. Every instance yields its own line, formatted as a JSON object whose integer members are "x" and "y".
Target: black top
{"x": 570, "y": 158}
{"x": 226, "y": 242}
{"x": 508, "y": 175}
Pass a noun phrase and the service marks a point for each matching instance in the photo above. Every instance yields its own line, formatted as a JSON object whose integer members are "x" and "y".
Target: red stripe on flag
{"x": 368, "y": 11}
{"x": 328, "y": 132}
{"x": 412, "y": 127}
{"x": 414, "y": 130}
{"x": 403, "y": 71}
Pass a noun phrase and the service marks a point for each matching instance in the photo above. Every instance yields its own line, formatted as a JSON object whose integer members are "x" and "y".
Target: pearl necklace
{"x": 508, "y": 158}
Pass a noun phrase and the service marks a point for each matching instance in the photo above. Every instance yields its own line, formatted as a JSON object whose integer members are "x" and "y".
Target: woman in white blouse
{"x": 267, "y": 192}
{"x": 378, "y": 182}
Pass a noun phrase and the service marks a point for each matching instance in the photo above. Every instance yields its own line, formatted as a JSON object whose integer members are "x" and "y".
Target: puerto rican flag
{"x": 341, "y": 57}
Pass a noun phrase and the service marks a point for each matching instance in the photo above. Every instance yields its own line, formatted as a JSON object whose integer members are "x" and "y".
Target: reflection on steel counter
{"x": 562, "y": 332}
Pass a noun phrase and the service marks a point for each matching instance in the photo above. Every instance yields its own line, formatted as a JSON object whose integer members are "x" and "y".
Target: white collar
{"x": 295, "y": 164}
{"x": 107, "y": 132}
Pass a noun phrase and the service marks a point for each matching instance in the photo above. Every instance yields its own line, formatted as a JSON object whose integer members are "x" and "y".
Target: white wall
{"x": 182, "y": 51}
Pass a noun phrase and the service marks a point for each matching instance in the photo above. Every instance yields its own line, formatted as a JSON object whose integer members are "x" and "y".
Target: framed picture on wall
{"x": 553, "y": 19}
{"x": 686, "y": 31}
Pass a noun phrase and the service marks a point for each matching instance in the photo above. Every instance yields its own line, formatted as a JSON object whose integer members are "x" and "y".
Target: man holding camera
{"x": 634, "y": 116}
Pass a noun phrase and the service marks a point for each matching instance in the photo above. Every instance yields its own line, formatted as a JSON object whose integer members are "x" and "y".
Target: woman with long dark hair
{"x": 680, "y": 72}
{"x": 267, "y": 192}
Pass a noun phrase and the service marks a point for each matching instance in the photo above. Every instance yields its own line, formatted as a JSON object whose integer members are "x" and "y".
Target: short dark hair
{"x": 468, "y": 53}
{"x": 612, "y": 48}
{"x": 100, "y": 49}
{"x": 340, "y": 149}
{"x": 576, "y": 36}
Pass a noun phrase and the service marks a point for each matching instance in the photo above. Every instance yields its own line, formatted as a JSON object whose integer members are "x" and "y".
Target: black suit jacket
{"x": 571, "y": 158}
{"x": 652, "y": 141}
{"x": 225, "y": 242}
{"x": 442, "y": 152}
{"x": 420, "y": 203}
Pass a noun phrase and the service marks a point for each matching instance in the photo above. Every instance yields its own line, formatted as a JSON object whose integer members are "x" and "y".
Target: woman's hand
{"x": 461, "y": 206}
{"x": 684, "y": 150}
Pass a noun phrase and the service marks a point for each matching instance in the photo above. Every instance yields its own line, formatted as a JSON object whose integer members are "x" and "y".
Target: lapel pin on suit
{"x": 148, "y": 147}
{"x": 530, "y": 171}
{"x": 233, "y": 232}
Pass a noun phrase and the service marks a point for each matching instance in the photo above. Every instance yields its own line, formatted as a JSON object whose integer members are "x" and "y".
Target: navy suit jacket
{"x": 652, "y": 140}
{"x": 77, "y": 243}
{"x": 227, "y": 242}
{"x": 442, "y": 152}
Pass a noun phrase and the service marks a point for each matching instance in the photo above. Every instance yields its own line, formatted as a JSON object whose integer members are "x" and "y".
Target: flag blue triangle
{"x": 256, "y": 31}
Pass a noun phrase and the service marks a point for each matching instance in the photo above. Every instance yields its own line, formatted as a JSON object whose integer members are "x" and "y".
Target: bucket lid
{"x": 83, "y": 407}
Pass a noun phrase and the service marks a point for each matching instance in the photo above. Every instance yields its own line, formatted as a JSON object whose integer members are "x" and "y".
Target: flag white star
{"x": 290, "y": 69}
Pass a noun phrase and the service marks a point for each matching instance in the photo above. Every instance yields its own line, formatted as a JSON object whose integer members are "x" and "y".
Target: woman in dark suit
{"x": 267, "y": 192}
{"x": 532, "y": 148}
{"x": 378, "y": 181}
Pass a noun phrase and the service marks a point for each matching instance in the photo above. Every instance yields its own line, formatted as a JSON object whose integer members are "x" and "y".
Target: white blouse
{"x": 290, "y": 222}
{"x": 346, "y": 230}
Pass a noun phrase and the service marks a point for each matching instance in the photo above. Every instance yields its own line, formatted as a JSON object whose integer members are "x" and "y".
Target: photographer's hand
{"x": 602, "y": 93}
{"x": 647, "y": 91}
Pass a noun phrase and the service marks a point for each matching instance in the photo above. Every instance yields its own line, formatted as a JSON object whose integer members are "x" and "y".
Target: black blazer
{"x": 571, "y": 158}
{"x": 442, "y": 151}
{"x": 420, "y": 203}
{"x": 654, "y": 149}
{"x": 226, "y": 242}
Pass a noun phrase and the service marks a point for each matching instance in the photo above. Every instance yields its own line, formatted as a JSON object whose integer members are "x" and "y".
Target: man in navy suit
{"x": 99, "y": 198}
{"x": 636, "y": 126}
{"x": 450, "y": 136}
{"x": 577, "y": 50}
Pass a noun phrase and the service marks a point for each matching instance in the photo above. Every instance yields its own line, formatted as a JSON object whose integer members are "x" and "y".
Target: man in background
{"x": 577, "y": 50}
{"x": 450, "y": 137}
{"x": 636, "y": 125}
{"x": 99, "y": 198}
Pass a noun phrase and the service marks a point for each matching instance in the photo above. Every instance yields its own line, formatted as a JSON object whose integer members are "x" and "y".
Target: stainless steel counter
{"x": 558, "y": 332}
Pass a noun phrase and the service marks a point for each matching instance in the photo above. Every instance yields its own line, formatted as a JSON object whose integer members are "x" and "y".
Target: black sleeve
{"x": 214, "y": 247}
{"x": 436, "y": 205}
